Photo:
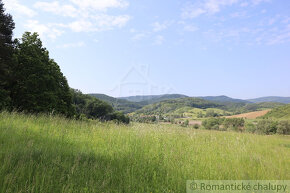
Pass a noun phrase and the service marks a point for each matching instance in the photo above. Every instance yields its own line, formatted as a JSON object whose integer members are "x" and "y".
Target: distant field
{"x": 48, "y": 154}
{"x": 251, "y": 115}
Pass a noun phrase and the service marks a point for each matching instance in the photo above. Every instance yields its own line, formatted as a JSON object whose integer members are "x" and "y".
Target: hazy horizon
{"x": 237, "y": 48}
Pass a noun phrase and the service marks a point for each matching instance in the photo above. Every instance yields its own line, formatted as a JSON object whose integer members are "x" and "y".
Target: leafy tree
{"x": 39, "y": 85}
{"x": 93, "y": 108}
{"x": 6, "y": 52}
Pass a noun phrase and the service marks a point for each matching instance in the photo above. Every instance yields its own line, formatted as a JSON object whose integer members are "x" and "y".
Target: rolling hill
{"x": 182, "y": 104}
{"x": 119, "y": 104}
{"x": 282, "y": 112}
{"x": 285, "y": 100}
{"x": 150, "y": 99}
{"x": 224, "y": 98}
{"x": 198, "y": 108}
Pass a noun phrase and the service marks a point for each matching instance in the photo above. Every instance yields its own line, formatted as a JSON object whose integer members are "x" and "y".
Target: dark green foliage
{"x": 98, "y": 109}
{"x": 224, "y": 99}
{"x": 6, "y": 52}
{"x": 169, "y": 106}
{"x": 267, "y": 127}
{"x": 233, "y": 123}
{"x": 144, "y": 119}
{"x": 212, "y": 123}
{"x": 90, "y": 107}
{"x": 119, "y": 104}
{"x": 223, "y": 124}
{"x": 283, "y": 128}
{"x": 39, "y": 85}
{"x": 211, "y": 113}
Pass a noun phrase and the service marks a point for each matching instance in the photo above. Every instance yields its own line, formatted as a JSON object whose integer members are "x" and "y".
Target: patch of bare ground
{"x": 251, "y": 115}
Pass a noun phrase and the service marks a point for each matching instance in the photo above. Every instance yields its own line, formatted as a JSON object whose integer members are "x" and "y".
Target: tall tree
{"x": 39, "y": 84}
{"x": 6, "y": 52}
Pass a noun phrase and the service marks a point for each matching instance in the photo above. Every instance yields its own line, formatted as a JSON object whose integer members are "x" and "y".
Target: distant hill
{"x": 119, "y": 104}
{"x": 171, "y": 105}
{"x": 150, "y": 99}
{"x": 285, "y": 100}
{"x": 282, "y": 112}
{"x": 193, "y": 107}
{"x": 224, "y": 98}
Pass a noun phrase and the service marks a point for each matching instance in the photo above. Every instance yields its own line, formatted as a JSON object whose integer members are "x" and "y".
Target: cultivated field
{"x": 251, "y": 115}
{"x": 50, "y": 154}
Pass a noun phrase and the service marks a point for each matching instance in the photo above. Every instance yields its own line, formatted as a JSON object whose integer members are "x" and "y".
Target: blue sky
{"x": 239, "y": 48}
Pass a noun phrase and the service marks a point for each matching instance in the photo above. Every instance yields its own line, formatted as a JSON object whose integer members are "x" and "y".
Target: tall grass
{"x": 52, "y": 154}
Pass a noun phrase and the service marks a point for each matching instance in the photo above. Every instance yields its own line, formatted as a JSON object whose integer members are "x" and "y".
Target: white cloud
{"x": 257, "y": 2}
{"x": 159, "y": 40}
{"x": 101, "y": 5}
{"x": 139, "y": 36}
{"x": 81, "y": 26}
{"x": 13, "y": 6}
{"x": 72, "y": 45}
{"x": 98, "y": 23}
{"x": 43, "y": 30}
{"x": 211, "y": 7}
{"x": 56, "y": 8}
{"x": 205, "y": 7}
{"x": 191, "y": 28}
{"x": 90, "y": 14}
{"x": 157, "y": 26}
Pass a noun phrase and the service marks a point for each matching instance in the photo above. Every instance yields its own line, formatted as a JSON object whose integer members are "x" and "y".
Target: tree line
{"x": 32, "y": 82}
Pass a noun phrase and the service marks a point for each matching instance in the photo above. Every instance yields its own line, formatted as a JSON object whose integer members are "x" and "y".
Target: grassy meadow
{"x": 53, "y": 154}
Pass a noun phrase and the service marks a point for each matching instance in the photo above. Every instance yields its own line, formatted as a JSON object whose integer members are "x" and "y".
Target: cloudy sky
{"x": 239, "y": 48}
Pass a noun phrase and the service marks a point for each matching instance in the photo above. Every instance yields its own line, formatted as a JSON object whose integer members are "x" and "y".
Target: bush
{"x": 250, "y": 127}
{"x": 196, "y": 126}
{"x": 267, "y": 127}
{"x": 211, "y": 123}
{"x": 185, "y": 123}
{"x": 234, "y": 124}
{"x": 283, "y": 128}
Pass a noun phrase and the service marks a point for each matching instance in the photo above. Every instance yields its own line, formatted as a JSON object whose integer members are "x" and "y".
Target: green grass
{"x": 282, "y": 112}
{"x": 51, "y": 154}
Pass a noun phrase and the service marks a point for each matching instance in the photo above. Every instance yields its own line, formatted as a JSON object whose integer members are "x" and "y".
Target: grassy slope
{"x": 43, "y": 154}
{"x": 282, "y": 112}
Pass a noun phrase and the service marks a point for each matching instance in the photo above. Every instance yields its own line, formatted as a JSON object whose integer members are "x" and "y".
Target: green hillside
{"x": 282, "y": 112}
{"x": 224, "y": 98}
{"x": 150, "y": 99}
{"x": 119, "y": 104}
{"x": 199, "y": 108}
{"x": 169, "y": 106}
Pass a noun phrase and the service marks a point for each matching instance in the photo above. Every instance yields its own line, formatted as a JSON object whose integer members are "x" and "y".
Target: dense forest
{"x": 32, "y": 82}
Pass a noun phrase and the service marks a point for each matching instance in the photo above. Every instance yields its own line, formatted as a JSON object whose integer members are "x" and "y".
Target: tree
{"x": 6, "y": 52}
{"x": 39, "y": 85}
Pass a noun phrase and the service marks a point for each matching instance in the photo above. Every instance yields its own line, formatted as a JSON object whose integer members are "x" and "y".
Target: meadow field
{"x": 53, "y": 154}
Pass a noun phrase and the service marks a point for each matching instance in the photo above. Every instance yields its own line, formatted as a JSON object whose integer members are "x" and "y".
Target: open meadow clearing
{"x": 51, "y": 154}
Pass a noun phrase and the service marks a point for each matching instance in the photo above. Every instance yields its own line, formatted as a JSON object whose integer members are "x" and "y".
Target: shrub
{"x": 250, "y": 127}
{"x": 211, "y": 123}
{"x": 283, "y": 128}
{"x": 267, "y": 127}
{"x": 185, "y": 123}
